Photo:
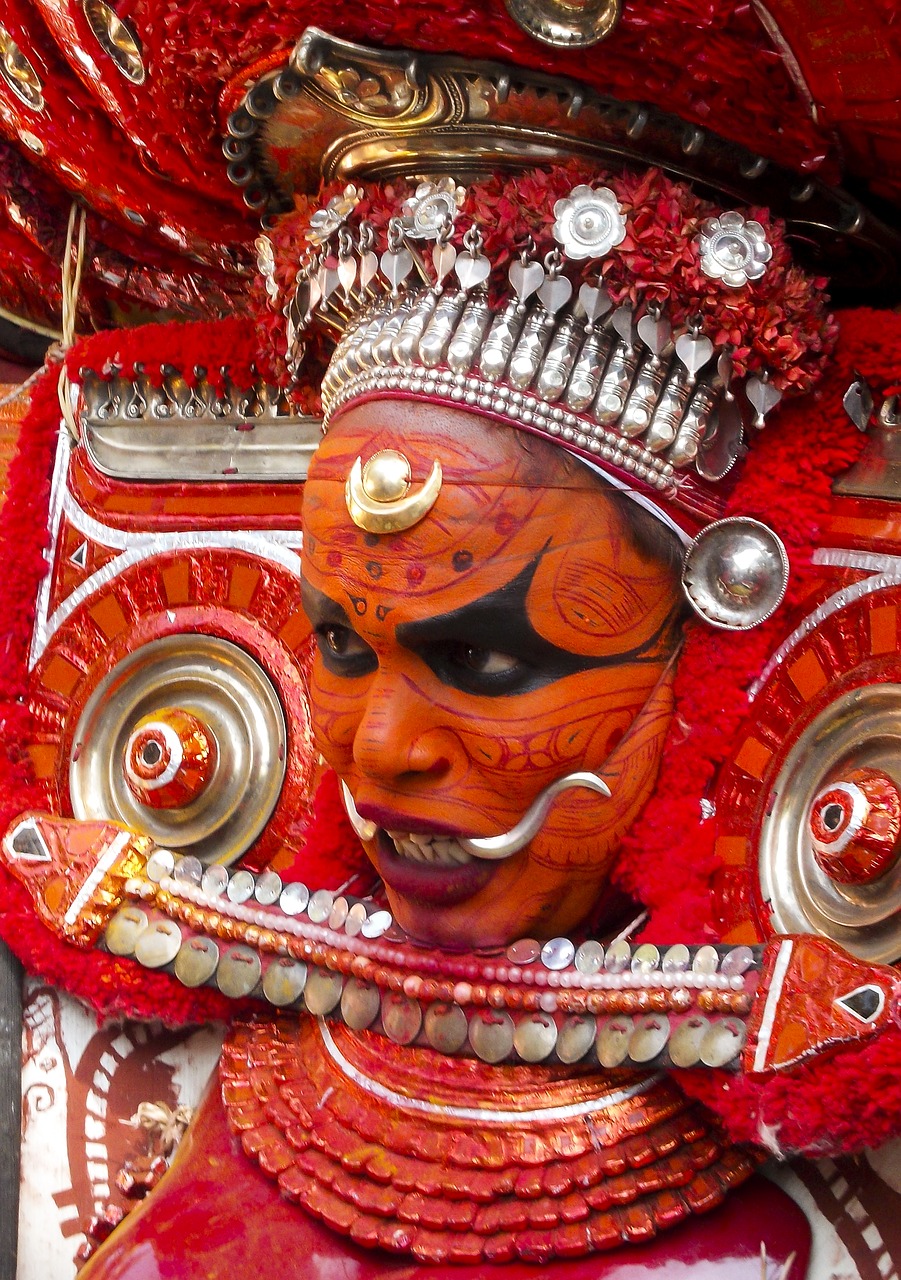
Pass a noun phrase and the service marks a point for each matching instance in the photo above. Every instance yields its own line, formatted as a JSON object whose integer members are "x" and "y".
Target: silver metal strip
{"x": 486, "y": 1115}
{"x": 104, "y": 862}
{"x": 277, "y": 452}
{"x": 840, "y": 600}
{"x": 772, "y": 1003}
{"x": 280, "y": 546}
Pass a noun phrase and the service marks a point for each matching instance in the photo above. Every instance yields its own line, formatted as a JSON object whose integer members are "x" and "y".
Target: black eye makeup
{"x": 474, "y": 669}
{"x": 343, "y": 651}
{"x": 487, "y": 648}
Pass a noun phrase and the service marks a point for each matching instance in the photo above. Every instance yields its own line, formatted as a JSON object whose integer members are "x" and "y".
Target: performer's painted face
{"x": 516, "y": 633}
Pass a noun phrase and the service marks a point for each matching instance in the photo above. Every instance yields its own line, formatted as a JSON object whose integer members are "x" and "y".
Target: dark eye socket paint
{"x": 487, "y": 647}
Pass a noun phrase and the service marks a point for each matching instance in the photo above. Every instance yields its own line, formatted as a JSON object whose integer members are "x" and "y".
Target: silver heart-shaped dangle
{"x": 694, "y": 350}
{"x": 327, "y": 279}
{"x": 369, "y": 263}
{"x": 594, "y": 301}
{"x": 396, "y": 262}
{"x": 396, "y": 265}
{"x": 655, "y": 331}
{"x": 472, "y": 267}
{"x": 306, "y": 297}
{"x": 555, "y": 293}
{"x": 472, "y": 271}
{"x": 858, "y": 403}
{"x": 347, "y": 274}
{"x": 526, "y": 277}
{"x": 443, "y": 258}
{"x": 347, "y": 263}
{"x": 556, "y": 290}
{"x": 724, "y": 369}
{"x": 314, "y": 297}
{"x": 763, "y": 396}
{"x": 623, "y": 324}
{"x": 444, "y": 255}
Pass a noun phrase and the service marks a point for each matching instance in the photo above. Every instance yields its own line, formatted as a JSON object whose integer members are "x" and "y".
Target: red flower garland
{"x": 779, "y": 323}
{"x": 209, "y": 345}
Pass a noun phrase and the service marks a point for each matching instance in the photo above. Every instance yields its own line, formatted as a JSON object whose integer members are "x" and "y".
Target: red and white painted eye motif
{"x": 170, "y": 757}
{"x": 855, "y": 826}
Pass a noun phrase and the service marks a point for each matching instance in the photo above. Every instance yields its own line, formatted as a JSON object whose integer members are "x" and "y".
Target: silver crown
{"x": 618, "y": 384}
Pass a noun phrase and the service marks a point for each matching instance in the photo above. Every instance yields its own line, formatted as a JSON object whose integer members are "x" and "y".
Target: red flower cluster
{"x": 779, "y": 323}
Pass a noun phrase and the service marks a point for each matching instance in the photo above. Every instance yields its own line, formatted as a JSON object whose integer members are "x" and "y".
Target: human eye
{"x": 475, "y": 669}
{"x": 343, "y": 651}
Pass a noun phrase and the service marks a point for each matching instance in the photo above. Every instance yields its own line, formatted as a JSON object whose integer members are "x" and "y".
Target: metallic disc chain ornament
{"x": 117, "y": 38}
{"x": 380, "y": 497}
{"x": 813, "y": 878}
{"x": 573, "y": 24}
{"x": 162, "y": 702}
{"x": 735, "y": 573}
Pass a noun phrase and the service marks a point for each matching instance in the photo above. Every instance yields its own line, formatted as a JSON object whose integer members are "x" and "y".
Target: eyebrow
{"x": 499, "y": 621}
{"x": 321, "y": 608}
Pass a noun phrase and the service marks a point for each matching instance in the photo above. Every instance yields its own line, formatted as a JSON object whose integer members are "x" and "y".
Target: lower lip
{"x": 428, "y": 883}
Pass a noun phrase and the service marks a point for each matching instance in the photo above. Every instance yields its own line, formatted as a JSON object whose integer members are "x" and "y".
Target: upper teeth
{"x": 420, "y": 847}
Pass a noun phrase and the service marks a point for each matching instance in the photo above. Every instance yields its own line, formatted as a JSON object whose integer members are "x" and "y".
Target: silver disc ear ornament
{"x": 380, "y": 497}
{"x": 735, "y": 573}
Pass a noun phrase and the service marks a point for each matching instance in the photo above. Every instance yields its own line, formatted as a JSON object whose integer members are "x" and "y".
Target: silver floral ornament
{"x": 431, "y": 208}
{"x": 733, "y": 249}
{"x": 325, "y": 222}
{"x": 589, "y": 222}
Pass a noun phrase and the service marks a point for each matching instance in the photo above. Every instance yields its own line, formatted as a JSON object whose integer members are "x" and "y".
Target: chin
{"x": 450, "y": 928}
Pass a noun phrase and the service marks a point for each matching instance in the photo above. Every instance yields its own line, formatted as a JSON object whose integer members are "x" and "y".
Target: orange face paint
{"x": 514, "y": 635}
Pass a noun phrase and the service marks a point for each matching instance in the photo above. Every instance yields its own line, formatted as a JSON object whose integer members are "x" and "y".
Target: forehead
{"x": 504, "y": 498}
{"x": 506, "y": 505}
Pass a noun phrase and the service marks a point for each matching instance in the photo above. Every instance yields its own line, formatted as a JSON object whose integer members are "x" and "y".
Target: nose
{"x": 398, "y": 736}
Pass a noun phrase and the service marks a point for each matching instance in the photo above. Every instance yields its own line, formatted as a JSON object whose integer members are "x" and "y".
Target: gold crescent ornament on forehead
{"x": 378, "y": 494}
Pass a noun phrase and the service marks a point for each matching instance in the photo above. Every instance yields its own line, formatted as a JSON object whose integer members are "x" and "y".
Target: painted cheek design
{"x": 338, "y": 706}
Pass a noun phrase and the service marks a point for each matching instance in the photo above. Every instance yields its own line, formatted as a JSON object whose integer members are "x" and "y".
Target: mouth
{"x": 438, "y": 850}
{"x": 432, "y": 870}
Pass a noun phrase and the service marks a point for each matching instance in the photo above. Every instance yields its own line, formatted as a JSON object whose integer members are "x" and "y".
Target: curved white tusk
{"x": 510, "y": 842}
{"x": 493, "y": 848}
{"x": 365, "y": 829}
